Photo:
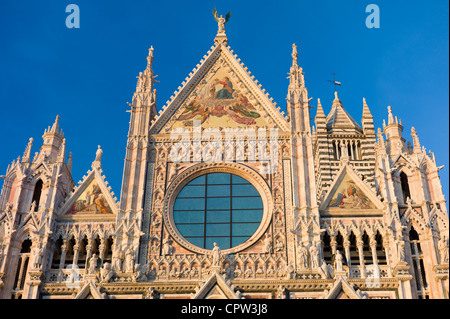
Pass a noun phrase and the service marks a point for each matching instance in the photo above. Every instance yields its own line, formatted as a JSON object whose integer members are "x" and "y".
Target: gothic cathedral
{"x": 226, "y": 197}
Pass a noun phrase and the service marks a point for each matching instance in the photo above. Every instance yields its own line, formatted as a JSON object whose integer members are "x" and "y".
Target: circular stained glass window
{"x": 218, "y": 208}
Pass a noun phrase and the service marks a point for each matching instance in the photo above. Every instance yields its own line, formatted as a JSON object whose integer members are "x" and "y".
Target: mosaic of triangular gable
{"x": 91, "y": 201}
{"x": 349, "y": 195}
{"x": 221, "y": 100}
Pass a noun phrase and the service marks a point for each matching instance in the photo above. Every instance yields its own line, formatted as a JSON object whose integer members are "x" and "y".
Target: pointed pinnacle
{"x": 366, "y": 110}
{"x": 320, "y": 112}
{"x": 390, "y": 116}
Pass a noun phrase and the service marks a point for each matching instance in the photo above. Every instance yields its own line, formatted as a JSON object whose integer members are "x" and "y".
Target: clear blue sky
{"x": 87, "y": 75}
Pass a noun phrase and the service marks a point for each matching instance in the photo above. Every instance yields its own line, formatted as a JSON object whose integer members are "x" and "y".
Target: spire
{"x": 146, "y": 79}
{"x": 394, "y": 139}
{"x": 296, "y": 77}
{"x": 27, "y": 153}
{"x": 320, "y": 113}
{"x": 320, "y": 119}
{"x": 367, "y": 119}
{"x": 53, "y": 138}
{"x": 55, "y": 128}
{"x": 338, "y": 120}
{"x": 366, "y": 111}
{"x": 416, "y": 142}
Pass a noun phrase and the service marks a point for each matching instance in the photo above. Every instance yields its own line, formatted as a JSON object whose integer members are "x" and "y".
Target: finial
{"x": 294, "y": 54}
{"x": 390, "y": 116}
{"x": 336, "y": 98}
{"x": 55, "y": 127}
{"x": 27, "y": 153}
{"x": 296, "y": 77}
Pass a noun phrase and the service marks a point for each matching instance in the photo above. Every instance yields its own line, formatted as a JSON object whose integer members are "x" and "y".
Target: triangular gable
{"x": 92, "y": 200}
{"x": 215, "y": 288}
{"x": 343, "y": 290}
{"x": 349, "y": 194}
{"x": 220, "y": 93}
{"x": 90, "y": 291}
{"x": 402, "y": 160}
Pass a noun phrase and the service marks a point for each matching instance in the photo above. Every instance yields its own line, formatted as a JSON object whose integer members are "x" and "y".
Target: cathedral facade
{"x": 226, "y": 197}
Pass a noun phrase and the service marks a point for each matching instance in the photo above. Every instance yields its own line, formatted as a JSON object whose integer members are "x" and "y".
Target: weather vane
{"x": 221, "y": 20}
{"x": 336, "y": 83}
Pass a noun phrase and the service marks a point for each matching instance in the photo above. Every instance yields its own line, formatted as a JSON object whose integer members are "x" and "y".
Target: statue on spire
{"x": 294, "y": 54}
{"x": 98, "y": 158}
{"x": 221, "y": 21}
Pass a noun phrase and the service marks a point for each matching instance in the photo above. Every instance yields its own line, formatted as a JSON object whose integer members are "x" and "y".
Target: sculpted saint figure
{"x": 93, "y": 264}
{"x": 443, "y": 250}
{"x": 314, "y": 253}
{"x": 221, "y": 21}
{"x": 216, "y": 255}
{"x": 98, "y": 154}
{"x": 339, "y": 261}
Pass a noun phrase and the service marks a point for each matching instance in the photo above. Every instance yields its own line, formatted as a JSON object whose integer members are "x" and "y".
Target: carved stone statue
{"x": 221, "y": 21}
{"x": 267, "y": 244}
{"x": 216, "y": 255}
{"x": 303, "y": 257}
{"x": 140, "y": 273}
{"x": 129, "y": 260}
{"x": 93, "y": 264}
{"x": 443, "y": 250}
{"x": 173, "y": 170}
{"x": 325, "y": 270}
{"x": 116, "y": 260}
{"x": 314, "y": 253}
{"x": 339, "y": 262}
{"x": 400, "y": 249}
{"x": 106, "y": 273}
{"x": 38, "y": 253}
{"x": 167, "y": 248}
{"x": 98, "y": 154}
{"x": 344, "y": 150}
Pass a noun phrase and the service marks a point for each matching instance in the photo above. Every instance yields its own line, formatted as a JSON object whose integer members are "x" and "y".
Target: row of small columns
{"x": 65, "y": 247}
{"x": 354, "y": 146}
{"x": 360, "y": 247}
